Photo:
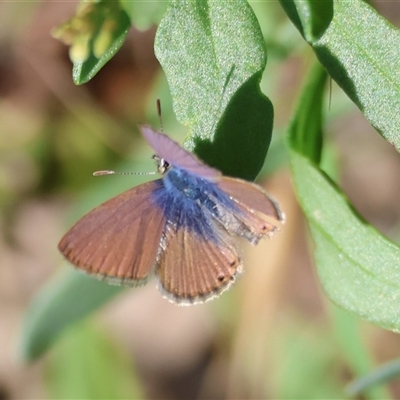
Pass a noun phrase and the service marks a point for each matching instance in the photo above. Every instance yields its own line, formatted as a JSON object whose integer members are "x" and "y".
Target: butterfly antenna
{"x": 158, "y": 103}
{"x": 109, "y": 172}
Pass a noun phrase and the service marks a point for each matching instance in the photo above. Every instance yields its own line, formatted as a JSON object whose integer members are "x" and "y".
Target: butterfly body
{"x": 192, "y": 202}
{"x": 179, "y": 227}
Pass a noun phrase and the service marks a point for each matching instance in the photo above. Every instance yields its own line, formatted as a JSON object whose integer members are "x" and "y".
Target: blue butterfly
{"x": 179, "y": 227}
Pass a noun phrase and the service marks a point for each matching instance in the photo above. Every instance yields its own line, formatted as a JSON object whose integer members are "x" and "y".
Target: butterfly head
{"x": 163, "y": 166}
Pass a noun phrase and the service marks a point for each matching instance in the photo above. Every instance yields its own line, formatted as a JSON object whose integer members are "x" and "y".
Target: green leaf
{"x": 360, "y": 50}
{"x": 358, "y": 267}
{"x": 213, "y": 55}
{"x": 305, "y": 132}
{"x": 94, "y": 34}
{"x": 311, "y": 17}
{"x": 86, "y": 364}
{"x": 65, "y": 300}
{"x": 83, "y": 72}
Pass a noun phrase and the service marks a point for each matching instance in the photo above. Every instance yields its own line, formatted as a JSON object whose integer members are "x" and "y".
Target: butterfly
{"x": 179, "y": 228}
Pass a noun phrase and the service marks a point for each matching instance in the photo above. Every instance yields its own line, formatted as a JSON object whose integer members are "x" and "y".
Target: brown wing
{"x": 257, "y": 214}
{"x": 251, "y": 196}
{"x": 119, "y": 240}
{"x": 192, "y": 269}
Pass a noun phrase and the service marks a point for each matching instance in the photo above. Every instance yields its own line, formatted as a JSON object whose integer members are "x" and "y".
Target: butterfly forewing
{"x": 119, "y": 240}
{"x": 173, "y": 153}
{"x": 193, "y": 269}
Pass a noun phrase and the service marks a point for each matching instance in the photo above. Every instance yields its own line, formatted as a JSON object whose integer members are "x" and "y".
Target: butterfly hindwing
{"x": 192, "y": 268}
{"x": 250, "y": 196}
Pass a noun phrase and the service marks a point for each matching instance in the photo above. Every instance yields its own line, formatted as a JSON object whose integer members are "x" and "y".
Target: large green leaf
{"x": 358, "y": 267}
{"x": 360, "y": 50}
{"x": 213, "y": 54}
